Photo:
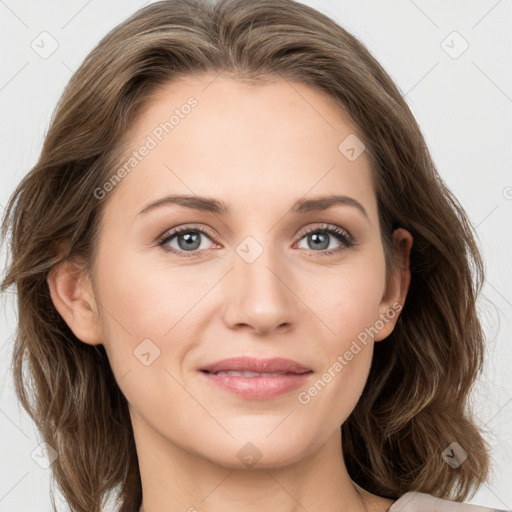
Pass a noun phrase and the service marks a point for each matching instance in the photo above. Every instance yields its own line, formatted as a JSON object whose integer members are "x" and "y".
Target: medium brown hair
{"x": 416, "y": 399}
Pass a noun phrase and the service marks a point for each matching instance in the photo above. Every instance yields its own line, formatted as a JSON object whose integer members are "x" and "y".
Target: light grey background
{"x": 462, "y": 102}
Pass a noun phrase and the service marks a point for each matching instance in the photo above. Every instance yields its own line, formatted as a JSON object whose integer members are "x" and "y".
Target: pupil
{"x": 322, "y": 238}
{"x": 190, "y": 240}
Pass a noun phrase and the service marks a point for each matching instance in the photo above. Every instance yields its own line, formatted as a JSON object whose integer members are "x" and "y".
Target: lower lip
{"x": 258, "y": 388}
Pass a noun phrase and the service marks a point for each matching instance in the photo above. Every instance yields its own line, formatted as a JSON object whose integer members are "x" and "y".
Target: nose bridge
{"x": 259, "y": 295}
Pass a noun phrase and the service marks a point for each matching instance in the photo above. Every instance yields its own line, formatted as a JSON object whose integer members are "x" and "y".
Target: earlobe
{"x": 398, "y": 285}
{"x": 73, "y": 298}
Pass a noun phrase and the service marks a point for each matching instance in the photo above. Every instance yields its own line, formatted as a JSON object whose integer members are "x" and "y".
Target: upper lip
{"x": 252, "y": 364}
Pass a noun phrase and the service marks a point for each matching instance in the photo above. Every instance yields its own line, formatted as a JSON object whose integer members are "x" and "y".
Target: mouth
{"x": 251, "y": 374}
{"x": 256, "y": 379}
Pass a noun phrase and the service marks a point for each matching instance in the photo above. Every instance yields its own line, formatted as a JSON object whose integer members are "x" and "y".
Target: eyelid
{"x": 171, "y": 233}
{"x": 329, "y": 228}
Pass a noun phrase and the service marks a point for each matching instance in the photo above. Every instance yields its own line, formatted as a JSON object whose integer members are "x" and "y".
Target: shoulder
{"x": 422, "y": 502}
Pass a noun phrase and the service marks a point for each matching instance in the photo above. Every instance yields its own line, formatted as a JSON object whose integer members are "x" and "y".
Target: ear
{"x": 397, "y": 285}
{"x": 73, "y": 296}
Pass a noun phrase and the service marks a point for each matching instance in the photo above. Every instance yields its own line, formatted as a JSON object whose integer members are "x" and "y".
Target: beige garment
{"x": 421, "y": 502}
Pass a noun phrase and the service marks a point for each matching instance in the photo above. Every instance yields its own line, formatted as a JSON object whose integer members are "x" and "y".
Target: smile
{"x": 256, "y": 379}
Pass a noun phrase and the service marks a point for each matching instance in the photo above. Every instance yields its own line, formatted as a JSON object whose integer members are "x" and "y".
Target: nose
{"x": 258, "y": 295}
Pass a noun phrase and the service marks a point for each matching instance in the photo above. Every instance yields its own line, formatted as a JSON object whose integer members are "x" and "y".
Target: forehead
{"x": 248, "y": 143}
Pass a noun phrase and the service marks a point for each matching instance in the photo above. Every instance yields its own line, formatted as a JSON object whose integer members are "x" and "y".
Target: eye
{"x": 320, "y": 238}
{"x": 188, "y": 240}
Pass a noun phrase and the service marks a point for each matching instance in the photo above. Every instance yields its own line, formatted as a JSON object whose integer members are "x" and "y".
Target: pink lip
{"x": 293, "y": 375}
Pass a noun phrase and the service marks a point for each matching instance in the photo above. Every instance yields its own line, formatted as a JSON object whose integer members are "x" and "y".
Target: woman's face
{"x": 247, "y": 282}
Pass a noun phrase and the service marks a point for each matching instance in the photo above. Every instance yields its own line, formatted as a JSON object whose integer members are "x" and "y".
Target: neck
{"x": 174, "y": 479}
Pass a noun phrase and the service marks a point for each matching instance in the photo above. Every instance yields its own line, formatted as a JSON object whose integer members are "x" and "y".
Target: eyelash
{"x": 347, "y": 241}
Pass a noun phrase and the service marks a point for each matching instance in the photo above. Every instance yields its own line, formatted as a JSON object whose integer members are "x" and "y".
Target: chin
{"x": 258, "y": 451}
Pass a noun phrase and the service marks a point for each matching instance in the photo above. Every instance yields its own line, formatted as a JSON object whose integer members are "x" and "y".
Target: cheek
{"x": 146, "y": 299}
{"x": 149, "y": 309}
{"x": 348, "y": 305}
{"x": 135, "y": 308}
{"x": 347, "y": 300}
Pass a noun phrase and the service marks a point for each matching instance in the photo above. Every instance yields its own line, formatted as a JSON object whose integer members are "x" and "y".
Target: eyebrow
{"x": 207, "y": 204}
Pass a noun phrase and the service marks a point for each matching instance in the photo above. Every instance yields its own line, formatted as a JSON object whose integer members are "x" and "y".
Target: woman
{"x": 241, "y": 281}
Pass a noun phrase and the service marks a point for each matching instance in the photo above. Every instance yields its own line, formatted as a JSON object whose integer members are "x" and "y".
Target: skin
{"x": 258, "y": 148}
